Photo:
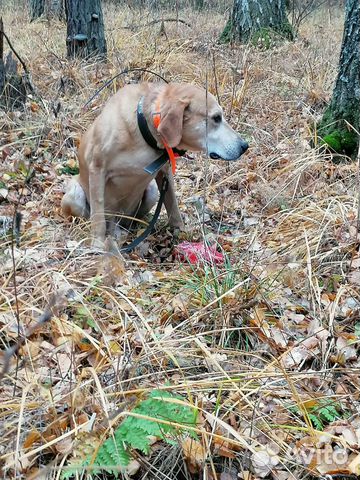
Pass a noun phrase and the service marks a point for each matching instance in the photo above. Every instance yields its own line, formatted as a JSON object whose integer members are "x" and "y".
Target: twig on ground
{"x": 58, "y": 300}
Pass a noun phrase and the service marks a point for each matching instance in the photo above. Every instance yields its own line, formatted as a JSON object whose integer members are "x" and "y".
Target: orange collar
{"x": 170, "y": 151}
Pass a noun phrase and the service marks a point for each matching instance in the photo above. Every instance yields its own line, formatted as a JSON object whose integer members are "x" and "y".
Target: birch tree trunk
{"x": 85, "y": 28}
{"x": 344, "y": 108}
{"x": 250, "y": 18}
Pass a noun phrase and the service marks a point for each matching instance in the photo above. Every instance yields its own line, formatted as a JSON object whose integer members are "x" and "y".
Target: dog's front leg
{"x": 97, "y": 202}
{"x": 171, "y": 205}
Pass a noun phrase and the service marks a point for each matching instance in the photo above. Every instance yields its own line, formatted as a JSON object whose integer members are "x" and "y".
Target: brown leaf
{"x": 354, "y": 464}
{"x": 27, "y": 151}
{"x": 263, "y": 463}
{"x": 133, "y": 468}
{"x": 354, "y": 277}
{"x": 64, "y": 446}
{"x": 34, "y": 107}
{"x": 194, "y": 453}
{"x": 31, "y": 438}
{"x": 345, "y": 348}
{"x": 17, "y": 461}
{"x": 5, "y": 152}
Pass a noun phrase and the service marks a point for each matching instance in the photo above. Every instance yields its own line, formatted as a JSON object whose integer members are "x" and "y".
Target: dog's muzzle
{"x": 233, "y": 155}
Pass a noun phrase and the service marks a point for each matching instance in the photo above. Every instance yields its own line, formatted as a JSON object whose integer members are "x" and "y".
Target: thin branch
{"x": 153, "y": 22}
{"x": 177, "y": 20}
{"x": 9, "y": 352}
{"x": 59, "y": 300}
{"x": 16, "y": 54}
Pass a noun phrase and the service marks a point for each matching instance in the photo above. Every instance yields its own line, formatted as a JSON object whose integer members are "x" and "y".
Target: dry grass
{"x": 228, "y": 338}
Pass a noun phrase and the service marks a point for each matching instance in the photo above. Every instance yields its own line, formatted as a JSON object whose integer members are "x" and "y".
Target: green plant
{"x": 211, "y": 281}
{"x": 134, "y": 432}
{"x": 69, "y": 170}
{"x": 262, "y": 38}
{"x": 321, "y": 412}
{"x": 341, "y": 141}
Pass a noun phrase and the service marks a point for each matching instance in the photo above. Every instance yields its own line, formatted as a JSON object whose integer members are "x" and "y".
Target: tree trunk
{"x": 344, "y": 108}
{"x": 85, "y": 28}
{"x": 252, "y": 19}
{"x": 36, "y": 9}
{"x": 199, "y": 4}
{"x": 2, "y": 66}
{"x": 12, "y": 85}
{"x": 54, "y": 9}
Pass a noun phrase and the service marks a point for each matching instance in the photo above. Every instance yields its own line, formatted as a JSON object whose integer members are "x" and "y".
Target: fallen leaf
{"x": 264, "y": 463}
{"x": 194, "y": 453}
{"x": 31, "y": 438}
{"x": 354, "y": 277}
{"x": 346, "y": 349}
{"x": 64, "y": 446}
{"x": 354, "y": 464}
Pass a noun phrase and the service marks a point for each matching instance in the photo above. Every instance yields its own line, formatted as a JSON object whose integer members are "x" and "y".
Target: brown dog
{"x": 114, "y": 153}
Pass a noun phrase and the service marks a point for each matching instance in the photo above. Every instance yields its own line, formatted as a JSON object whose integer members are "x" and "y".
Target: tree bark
{"x": 344, "y": 108}
{"x": 36, "y": 9}
{"x": 199, "y": 4}
{"x": 12, "y": 85}
{"x": 54, "y": 9}
{"x": 250, "y": 19}
{"x": 85, "y": 28}
{"x": 2, "y": 66}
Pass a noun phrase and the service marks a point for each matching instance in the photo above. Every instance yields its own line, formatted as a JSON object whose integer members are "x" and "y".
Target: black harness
{"x": 151, "y": 169}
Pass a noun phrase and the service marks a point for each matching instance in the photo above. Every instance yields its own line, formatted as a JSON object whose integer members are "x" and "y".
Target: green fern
{"x": 323, "y": 413}
{"x": 134, "y": 433}
{"x": 328, "y": 412}
{"x": 316, "y": 422}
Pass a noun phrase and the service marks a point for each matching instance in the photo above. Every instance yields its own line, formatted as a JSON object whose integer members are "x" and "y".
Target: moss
{"x": 333, "y": 141}
{"x": 263, "y": 38}
{"x": 287, "y": 31}
{"x": 335, "y": 132}
{"x": 343, "y": 142}
{"x": 227, "y": 33}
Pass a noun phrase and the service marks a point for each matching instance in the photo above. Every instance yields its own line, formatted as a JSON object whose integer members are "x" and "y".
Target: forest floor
{"x": 263, "y": 348}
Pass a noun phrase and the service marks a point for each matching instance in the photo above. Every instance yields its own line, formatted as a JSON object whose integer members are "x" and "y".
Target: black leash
{"x": 149, "y": 229}
{"x": 124, "y": 72}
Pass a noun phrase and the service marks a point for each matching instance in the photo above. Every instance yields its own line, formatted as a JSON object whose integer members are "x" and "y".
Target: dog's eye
{"x": 217, "y": 118}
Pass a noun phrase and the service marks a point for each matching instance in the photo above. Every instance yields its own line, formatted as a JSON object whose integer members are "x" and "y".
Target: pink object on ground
{"x": 197, "y": 252}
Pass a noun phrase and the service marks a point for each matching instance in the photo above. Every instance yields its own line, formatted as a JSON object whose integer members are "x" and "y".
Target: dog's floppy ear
{"x": 172, "y": 118}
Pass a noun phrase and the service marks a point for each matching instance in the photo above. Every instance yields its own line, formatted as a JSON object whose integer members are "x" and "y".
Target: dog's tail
{"x": 74, "y": 203}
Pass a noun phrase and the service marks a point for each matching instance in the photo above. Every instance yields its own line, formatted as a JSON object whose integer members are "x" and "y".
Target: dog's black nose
{"x": 244, "y": 146}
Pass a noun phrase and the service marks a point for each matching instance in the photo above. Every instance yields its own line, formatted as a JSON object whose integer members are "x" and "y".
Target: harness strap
{"x": 155, "y": 166}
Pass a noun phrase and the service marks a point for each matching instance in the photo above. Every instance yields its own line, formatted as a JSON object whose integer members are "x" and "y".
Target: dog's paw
{"x": 97, "y": 244}
{"x": 176, "y": 224}
{"x": 177, "y": 233}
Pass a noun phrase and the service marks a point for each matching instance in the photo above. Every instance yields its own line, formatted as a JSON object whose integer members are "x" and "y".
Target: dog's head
{"x": 191, "y": 119}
